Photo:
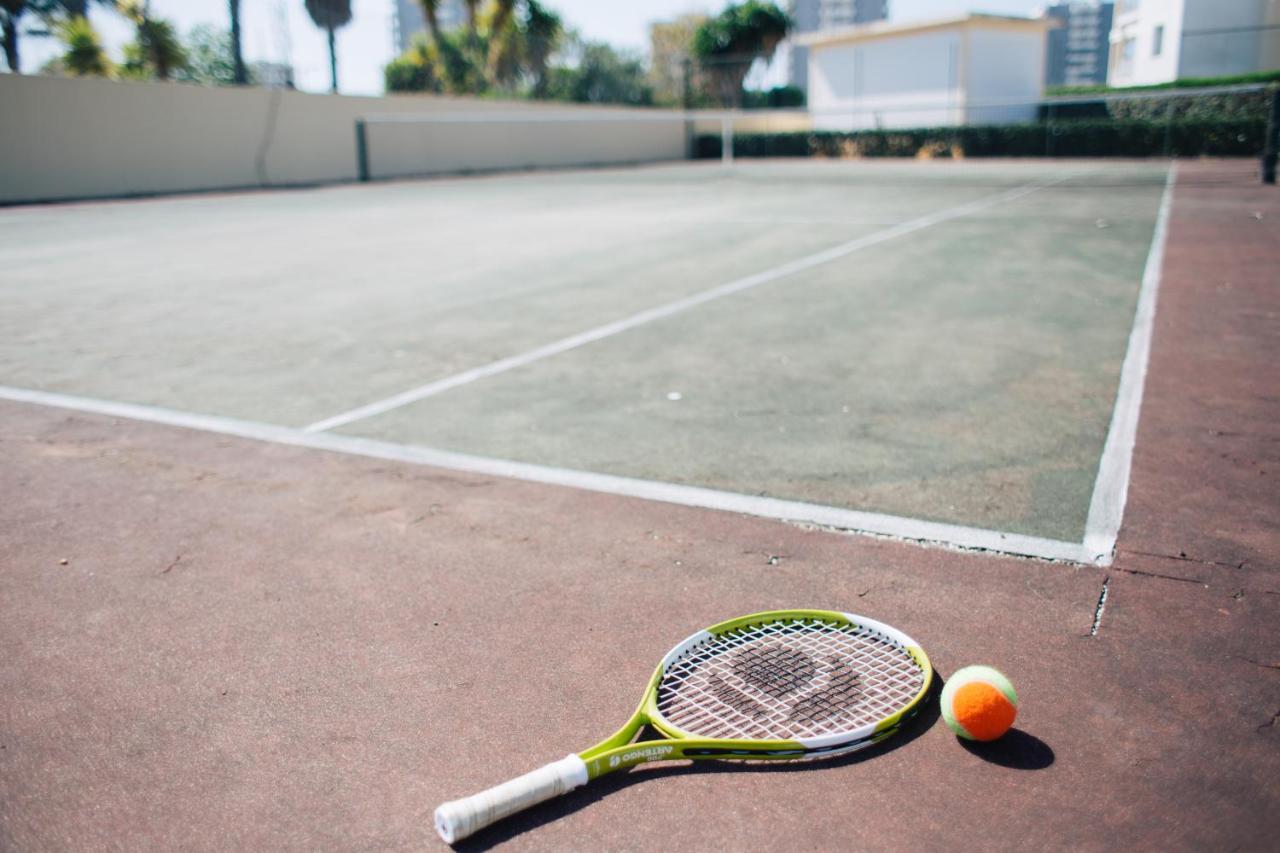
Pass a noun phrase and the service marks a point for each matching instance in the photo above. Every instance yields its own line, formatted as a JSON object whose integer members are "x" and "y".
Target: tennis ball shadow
{"x": 580, "y": 798}
{"x": 1016, "y": 749}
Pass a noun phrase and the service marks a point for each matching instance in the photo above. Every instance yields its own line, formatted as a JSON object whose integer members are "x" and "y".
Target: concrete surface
{"x": 257, "y": 647}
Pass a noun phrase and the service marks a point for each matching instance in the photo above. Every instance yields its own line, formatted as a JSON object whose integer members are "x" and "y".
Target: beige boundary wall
{"x": 66, "y": 138}
{"x": 759, "y": 121}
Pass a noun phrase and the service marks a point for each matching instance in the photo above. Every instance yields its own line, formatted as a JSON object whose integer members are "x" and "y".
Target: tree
{"x": 84, "y": 55}
{"x": 11, "y": 12}
{"x": 471, "y": 15}
{"x": 504, "y": 40}
{"x": 414, "y": 70}
{"x": 239, "y": 74}
{"x": 210, "y": 58}
{"x": 602, "y": 75}
{"x": 729, "y": 43}
{"x": 330, "y": 15}
{"x": 543, "y": 31}
{"x": 156, "y": 50}
{"x": 431, "y": 13}
{"x": 671, "y": 69}
{"x": 509, "y": 50}
{"x": 69, "y": 8}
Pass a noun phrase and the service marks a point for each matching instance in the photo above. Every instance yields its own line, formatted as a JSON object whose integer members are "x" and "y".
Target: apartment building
{"x": 1157, "y": 41}
{"x": 1079, "y": 47}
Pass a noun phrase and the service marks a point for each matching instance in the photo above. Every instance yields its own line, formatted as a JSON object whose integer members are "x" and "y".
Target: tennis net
{"x": 1231, "y": 121}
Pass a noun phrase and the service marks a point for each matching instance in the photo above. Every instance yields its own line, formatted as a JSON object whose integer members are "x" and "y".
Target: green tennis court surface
{"x": 956, "y": 358}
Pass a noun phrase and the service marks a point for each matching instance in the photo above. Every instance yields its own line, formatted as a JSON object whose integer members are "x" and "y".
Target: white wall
{"x": 928, "y": 79}
{"x": 83, "y": 138}
{"x": 904, "y": 81}
{"x": 1184, "y": 53}
{"x": 1004, "y": 66}
{"x": 1134, "y": 61}
{"x": 1220, "y": 54}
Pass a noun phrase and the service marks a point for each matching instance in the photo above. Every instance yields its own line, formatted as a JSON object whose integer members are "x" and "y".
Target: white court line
{"x": 844, "y": 519}
{"x": 493, "y": 368}
{"x": 1111, "y": 489}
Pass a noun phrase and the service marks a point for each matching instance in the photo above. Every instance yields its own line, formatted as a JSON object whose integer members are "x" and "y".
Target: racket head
{"x": 788, "y": 684}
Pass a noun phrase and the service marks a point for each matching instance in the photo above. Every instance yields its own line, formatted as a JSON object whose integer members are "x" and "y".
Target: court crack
{"x": 1257, "y": 662}
{"x": 1182, "y": 557}
{"x": 1102, "y": 605}
{"x": 1141, "y": 573}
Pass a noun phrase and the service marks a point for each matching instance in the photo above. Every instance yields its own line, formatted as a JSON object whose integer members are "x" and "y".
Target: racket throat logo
{"x": 636, "y": 756}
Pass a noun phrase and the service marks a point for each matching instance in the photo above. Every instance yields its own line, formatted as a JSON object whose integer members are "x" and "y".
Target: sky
{"x": 278, "y": 29}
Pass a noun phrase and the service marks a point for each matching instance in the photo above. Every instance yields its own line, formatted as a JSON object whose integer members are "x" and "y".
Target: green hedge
{"x": 1184, "y": 83}
{"x": 1223, "y": 137}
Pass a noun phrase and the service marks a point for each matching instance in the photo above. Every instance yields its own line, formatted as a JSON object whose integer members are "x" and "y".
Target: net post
{"x": 686, "y": 83}
{"x": 1048, "y": 129}
{"x": 1271, "y": 149}
{"x": 362, "y": 150}
{"x": 726, "y": 139}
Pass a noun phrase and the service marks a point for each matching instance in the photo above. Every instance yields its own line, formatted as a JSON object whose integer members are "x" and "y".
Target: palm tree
{"x": 728, "y": 43}
{"x": 241, "y": 75}
{"x": 543, "y": 32}
{"x": 85, "y": 56}
{"x": 10, "y": 12}
{"x": 330, "y": 15}
{"x": 504, "y": 41}
{"x": 431, "y": 13}
{"x": 471, "y": 16}
{"x": 157, "y": 45}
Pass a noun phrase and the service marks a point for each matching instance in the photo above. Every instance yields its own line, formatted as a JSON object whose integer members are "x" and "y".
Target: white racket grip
{"x": 457, "y": 819}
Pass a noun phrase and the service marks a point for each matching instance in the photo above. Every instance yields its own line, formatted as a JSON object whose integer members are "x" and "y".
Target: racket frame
{"x": 619, "y": 751}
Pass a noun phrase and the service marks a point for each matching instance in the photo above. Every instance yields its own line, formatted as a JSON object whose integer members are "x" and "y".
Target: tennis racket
{"x": 786, "y": 684}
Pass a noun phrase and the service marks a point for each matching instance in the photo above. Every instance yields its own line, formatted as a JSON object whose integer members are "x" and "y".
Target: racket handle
{"x": 457, "y": 819}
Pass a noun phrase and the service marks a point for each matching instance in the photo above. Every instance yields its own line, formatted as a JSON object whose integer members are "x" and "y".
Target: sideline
{"x": 1111, "y": 488}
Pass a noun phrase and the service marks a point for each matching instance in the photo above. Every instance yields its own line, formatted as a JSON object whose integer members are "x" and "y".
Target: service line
{"x": 660, "y": 312}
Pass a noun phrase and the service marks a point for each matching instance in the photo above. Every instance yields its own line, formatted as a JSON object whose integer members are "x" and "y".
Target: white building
{"x": 1156, "y": 41}
{"x": 813, "y": 15}
{"x": 976, "y": 69}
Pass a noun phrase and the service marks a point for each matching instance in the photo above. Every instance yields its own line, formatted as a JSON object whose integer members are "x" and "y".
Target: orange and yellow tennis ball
{"x": 979, "y": 703}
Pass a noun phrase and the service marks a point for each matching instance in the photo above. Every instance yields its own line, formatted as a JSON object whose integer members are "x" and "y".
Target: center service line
{"x": 608, "y": 330}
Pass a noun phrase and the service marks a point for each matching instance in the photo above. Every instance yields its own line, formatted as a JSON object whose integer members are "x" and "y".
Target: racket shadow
{"x": 605, "y": 786}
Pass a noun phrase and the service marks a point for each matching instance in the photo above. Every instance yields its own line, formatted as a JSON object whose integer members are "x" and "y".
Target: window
{"x": 1157, "y": 41}
{"x": 1127, "y": 49}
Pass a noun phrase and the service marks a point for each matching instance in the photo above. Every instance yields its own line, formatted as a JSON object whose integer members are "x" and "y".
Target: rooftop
{"x": 885, "y": 29}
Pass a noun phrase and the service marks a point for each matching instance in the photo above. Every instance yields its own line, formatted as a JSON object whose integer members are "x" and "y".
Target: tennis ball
{"x": 979, "y": 703}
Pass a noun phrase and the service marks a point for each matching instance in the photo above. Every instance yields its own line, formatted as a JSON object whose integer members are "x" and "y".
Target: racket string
{"x": 788, "y": 680}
